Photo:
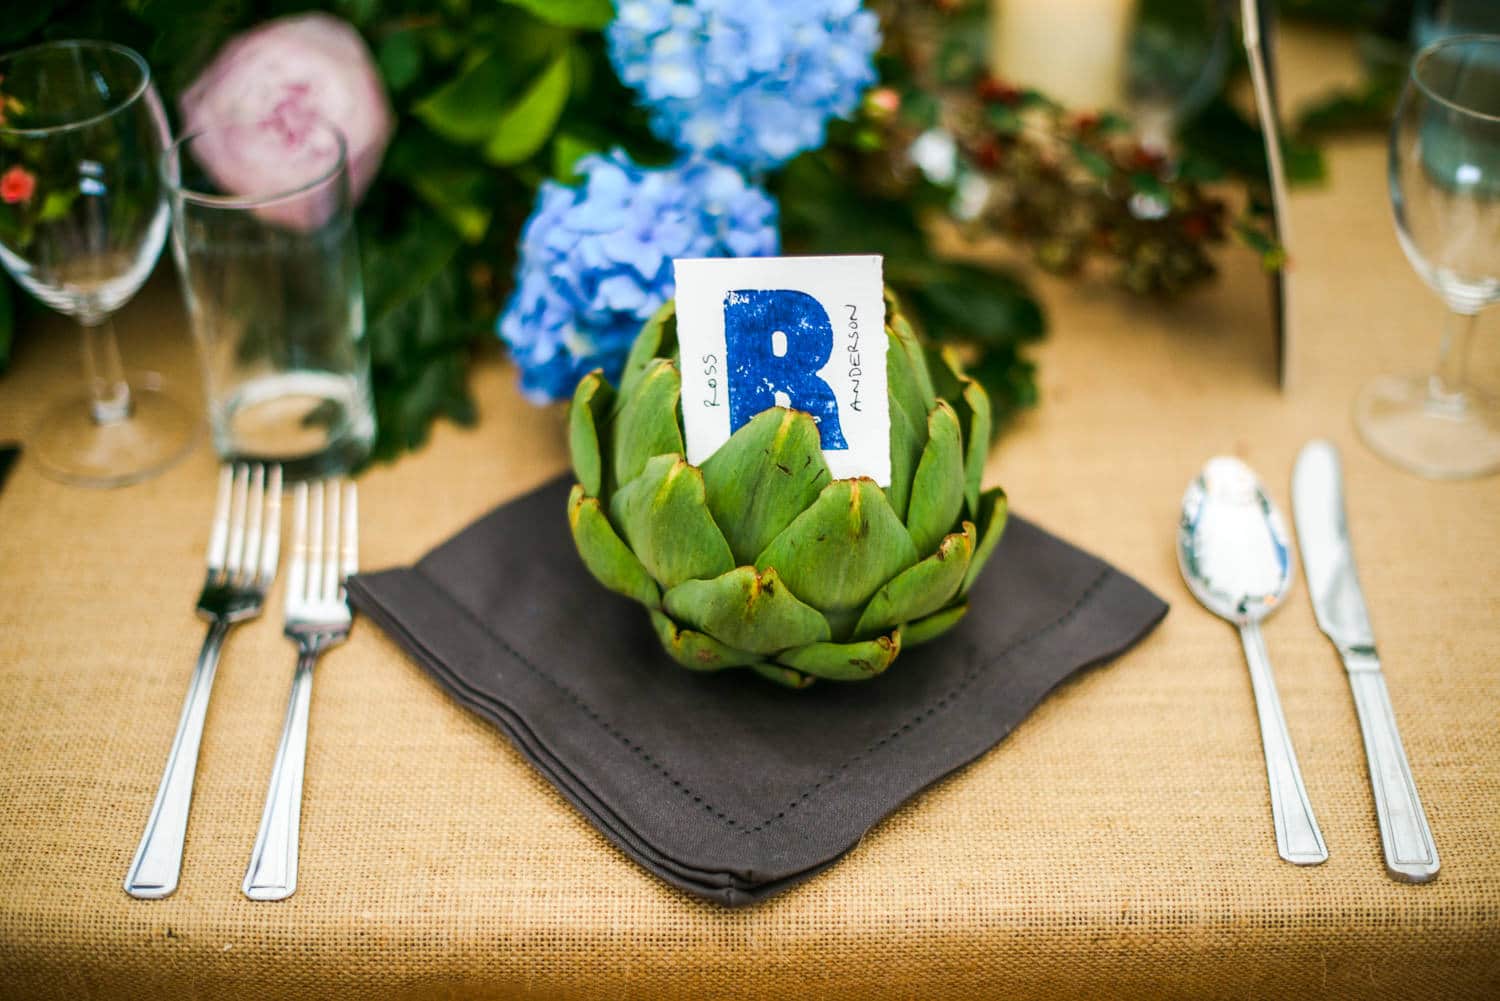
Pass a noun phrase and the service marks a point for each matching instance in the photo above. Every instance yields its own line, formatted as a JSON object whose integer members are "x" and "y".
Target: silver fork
{"x": 242, "y": 551}
{"x": 325, "y": 551}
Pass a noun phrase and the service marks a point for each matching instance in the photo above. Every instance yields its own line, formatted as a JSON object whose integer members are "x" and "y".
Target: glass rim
{"x": 82, "y": 43}
{"x": 1431, "y": 49}
{"x": 173, "y": 153}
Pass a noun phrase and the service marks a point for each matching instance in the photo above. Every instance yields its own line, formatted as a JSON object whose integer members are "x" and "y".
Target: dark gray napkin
{"x": 724, "y": 784}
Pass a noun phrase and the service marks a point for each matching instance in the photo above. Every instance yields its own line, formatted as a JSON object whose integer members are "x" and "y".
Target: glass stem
{"x": 109, "y": 394}
{"x": 1445, "y": 387}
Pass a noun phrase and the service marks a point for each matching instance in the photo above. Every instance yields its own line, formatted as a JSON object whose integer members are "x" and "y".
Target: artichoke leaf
{"x": 909, "y": 408}
{"x": 978, "y": 425}
{"x": 921, "y": 589}
{"x": 696, "y": 651}
{"x": 591, "y": 403}
{"x": 841, "y": 550}
{"x": 947, "y": 374}
{"x": 766, "y": 474}
{"x": 647, "y": 423}
{"x": 933, "y": 626}
{"x": 782, "y": 675}
{"x": 913, "y": 361}
{"x": 663, "y": 515}
{"x": 747, "y": 610}
{"x": 605, "y": 553}
{"x": 657, "y": 339}
{"x": 975, "y": 416}
{"x": 993, "y": 509}
{"x": 937, "y": 491}
{"x": 844, "y": 661}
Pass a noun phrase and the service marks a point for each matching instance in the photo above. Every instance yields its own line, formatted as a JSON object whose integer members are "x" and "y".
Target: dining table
{"x": 1118, "y": 844}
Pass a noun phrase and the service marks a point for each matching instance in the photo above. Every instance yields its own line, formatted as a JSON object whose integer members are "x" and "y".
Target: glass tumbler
{"x": 264, "y": 239}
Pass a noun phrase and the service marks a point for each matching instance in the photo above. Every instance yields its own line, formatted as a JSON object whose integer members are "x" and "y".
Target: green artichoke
{"x": 759, "y": 558}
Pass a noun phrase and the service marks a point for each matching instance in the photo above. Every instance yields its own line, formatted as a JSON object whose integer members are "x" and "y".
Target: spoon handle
{"x": 1298, "y": 839}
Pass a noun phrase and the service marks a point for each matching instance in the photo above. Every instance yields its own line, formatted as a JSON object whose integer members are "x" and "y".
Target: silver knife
{"x": 1323, "y": 532}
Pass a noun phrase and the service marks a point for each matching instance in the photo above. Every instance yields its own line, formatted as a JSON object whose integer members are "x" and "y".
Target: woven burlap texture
{"x": 1119, "y": 844}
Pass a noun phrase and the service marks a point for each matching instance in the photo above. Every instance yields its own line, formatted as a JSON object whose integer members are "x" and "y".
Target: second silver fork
{"x": 325, "y": 551}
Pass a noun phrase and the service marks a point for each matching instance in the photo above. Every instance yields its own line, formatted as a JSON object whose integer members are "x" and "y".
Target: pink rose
{"x": 275, "y": 84}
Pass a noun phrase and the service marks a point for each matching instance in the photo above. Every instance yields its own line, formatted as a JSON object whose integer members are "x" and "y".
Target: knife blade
{"x": 1339, "y": 605}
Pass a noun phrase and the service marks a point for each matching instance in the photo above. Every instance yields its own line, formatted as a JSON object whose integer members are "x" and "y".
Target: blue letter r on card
{"x": 775, "y": 341}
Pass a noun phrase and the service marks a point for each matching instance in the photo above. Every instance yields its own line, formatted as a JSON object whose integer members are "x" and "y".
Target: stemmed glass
{"x": 1445, "y": 187}
{"x": 83, "y": 217}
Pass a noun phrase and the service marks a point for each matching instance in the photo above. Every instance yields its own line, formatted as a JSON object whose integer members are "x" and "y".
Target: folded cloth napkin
{"x": 724, "y": 784}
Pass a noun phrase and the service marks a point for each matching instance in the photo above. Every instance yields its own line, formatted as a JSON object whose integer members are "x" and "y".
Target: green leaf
{"x": 664, "y": 517}
{"x": 995, "y": 510}
{"x": 923, "y": 588}
{"x": 57, "y": 204}
{"x": 937, "y": 492}
{"x": 442, "y": 175}
{"x": 524, "y": 127}
{"x": 747, "y": 610}
{"x": 587, "y": 14}
{"x": 589, "y": 409}
{"x": 1094, "y": 162}
{"x": 604, "y": 553}
{"x": 845, "y": 661}
{"x": 646, "y": 425}
{"x": 766, "y": 474}
{"x": 400, "y": 60}
{"x": 842, "y": 549}
{"x": 699, "y": 652}
{"x": 933, "y": 626}
{"x": 567, "y": 150}
{"x": 466, "y": 108}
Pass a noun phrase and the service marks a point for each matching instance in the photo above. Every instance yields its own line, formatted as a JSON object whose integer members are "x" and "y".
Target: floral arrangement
{"x": 526, "y": 165}
{"x": 596, "y": 259}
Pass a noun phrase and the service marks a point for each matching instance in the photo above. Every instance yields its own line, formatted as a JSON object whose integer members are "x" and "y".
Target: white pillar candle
{"x": 1071, "y": 50}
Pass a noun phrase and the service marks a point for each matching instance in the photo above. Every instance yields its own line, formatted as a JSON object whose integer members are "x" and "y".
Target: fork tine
{"x": 331, "y": 550}
{"x": 315, "y": 543}
{"x": 218, "y": 539}
{"x": 351, "y": 533}
{"x": 237, "y": 520}
{"x": 271, "y": 550}
{"x": 255, "y": 503}
{"x": 296, "y": 577}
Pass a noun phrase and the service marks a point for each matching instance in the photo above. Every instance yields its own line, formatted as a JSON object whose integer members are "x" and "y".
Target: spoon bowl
{"x": 1232, "y": 543}
{"x": 1234, "y": 555}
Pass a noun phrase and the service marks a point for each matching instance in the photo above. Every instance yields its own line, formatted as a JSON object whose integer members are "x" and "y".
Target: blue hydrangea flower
{"x": 753, "y": 82}
{"x": 596, "y": 259}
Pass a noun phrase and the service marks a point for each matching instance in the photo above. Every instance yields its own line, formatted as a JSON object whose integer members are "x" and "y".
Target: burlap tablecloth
{"x": 1118, "y": 844}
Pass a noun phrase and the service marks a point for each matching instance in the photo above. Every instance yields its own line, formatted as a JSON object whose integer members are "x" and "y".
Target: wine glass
{"x": 83, "y": 216}
{"x": 1445, "y": 188}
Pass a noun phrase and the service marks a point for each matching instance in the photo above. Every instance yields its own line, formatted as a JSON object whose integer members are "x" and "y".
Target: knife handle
{"x": 1298, "y": 839}
{"x": 1410, "y": 853}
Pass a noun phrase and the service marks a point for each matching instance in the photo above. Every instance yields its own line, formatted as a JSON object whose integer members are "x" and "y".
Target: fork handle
{"x": 158, "y": 860}
{"x": 272, "y": 874}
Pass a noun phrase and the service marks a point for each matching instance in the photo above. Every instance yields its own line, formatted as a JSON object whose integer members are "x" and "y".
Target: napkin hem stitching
{"x": 1083, "y": 597}
{"x": 942, "y": 702}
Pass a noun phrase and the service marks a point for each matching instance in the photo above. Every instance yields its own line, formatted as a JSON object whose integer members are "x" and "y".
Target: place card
{"x": 800, "y": 332}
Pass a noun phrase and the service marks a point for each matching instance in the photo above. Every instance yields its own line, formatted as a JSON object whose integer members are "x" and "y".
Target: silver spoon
{"x": 1233, "y": 550}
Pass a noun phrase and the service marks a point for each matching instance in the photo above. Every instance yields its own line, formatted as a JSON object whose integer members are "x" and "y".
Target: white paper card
{"x": 800, "y": 332}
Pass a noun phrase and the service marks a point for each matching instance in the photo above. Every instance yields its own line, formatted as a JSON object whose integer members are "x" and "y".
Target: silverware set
{"x": 1233, "y": 550}
{"x": 243, "y": 551}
